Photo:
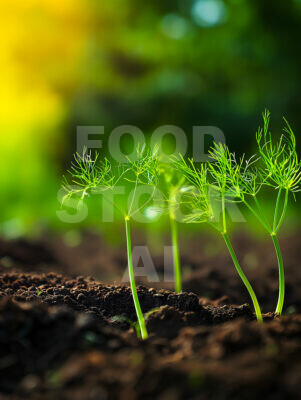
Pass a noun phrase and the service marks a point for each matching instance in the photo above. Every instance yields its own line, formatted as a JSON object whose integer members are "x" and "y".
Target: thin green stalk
{"x": 276, "y": 210}
{"x": 132, "y": 201}
{"x": 224, "y": 214}
{"x": 244, "y": 278}
{"x": 175, "y": 254}
{"x": 273, "y": 234}
{"x": 279, "y": 307}
{"x": 276, "y": 227}
{"x": 283, "y": 211}
{"x": 140, "y": 317}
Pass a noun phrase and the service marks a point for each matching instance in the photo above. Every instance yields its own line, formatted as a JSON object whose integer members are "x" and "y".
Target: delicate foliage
{"x": 145, "y": 168}
{"x": 281, "y": 164}
{"x": 231, "y": 177}
{"x": 94, "y": 174}
{"x": 221, "y": 167}
{"x": 197, "y": 196}
{"x": 87, "y": 174}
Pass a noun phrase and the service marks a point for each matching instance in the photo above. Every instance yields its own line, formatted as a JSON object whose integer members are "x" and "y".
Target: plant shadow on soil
{"x": 58, "y": 338}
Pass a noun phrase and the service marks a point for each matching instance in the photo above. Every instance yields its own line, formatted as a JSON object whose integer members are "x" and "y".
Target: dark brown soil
{"x": 59, "y": 340}
{"x": 208, "y": 270}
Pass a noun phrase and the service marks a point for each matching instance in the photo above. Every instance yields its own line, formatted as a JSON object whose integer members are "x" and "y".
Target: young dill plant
{"x": 93, "y": 175}
{"x": 280, "y": 169}
{"x": 171, "y": 187}
{"x": 211, "y": 187}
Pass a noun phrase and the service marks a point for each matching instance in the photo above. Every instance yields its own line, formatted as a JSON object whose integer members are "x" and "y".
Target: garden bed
{"x": 207, "y": 267}
{"x": 59, "y": 338}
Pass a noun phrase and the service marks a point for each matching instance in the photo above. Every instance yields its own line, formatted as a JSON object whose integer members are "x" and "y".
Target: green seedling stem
{"x": 175, "y": 254}
{"x": 272, "y": 231}
{"x": 281, "y": 293}
{"x": 238, "y": 267}
{"x": 171, "y": 185}
{"x": 135, "y": 324}
{"x": 139, "y": 313}
{"x": 243, "y": 278}
{"x": 223, "y": 232}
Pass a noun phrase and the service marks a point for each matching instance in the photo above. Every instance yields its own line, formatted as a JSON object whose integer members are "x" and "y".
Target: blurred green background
{"x": 88, "y": 62}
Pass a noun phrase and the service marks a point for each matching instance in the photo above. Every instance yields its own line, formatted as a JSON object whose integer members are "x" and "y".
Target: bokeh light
{"x": 208, "y": 13}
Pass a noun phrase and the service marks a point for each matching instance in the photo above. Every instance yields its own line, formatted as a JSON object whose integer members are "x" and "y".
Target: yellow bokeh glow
{"x": 42, "y": 43}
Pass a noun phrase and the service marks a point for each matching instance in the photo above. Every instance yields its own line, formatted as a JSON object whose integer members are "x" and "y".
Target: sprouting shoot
{"x": 171, "y": 188}
{"x": 207, "y": 199}
{"x": 100, "y": 176}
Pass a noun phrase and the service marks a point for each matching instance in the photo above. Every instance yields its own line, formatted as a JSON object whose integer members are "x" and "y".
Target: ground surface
{"x": 59, "y": 338}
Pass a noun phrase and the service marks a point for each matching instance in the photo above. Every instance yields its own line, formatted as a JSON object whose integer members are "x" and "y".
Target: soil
{"x": 208, "y": 270}
{"x": 64, "y": 334}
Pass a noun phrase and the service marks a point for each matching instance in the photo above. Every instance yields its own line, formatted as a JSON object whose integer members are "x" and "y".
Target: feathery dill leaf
{"x": 281, "y": 164}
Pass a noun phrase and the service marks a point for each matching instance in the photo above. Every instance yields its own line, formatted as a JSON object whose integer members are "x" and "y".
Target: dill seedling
{"x": 211, "y": 184}
{"x": 280, "y": 170}
{"x": 172, "y": 186}
{"x": 90, "y": 175}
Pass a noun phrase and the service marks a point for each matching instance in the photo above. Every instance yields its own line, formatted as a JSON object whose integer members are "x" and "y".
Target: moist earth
{"x": 65, "y": 336}
{"x": 208, "y": 270}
